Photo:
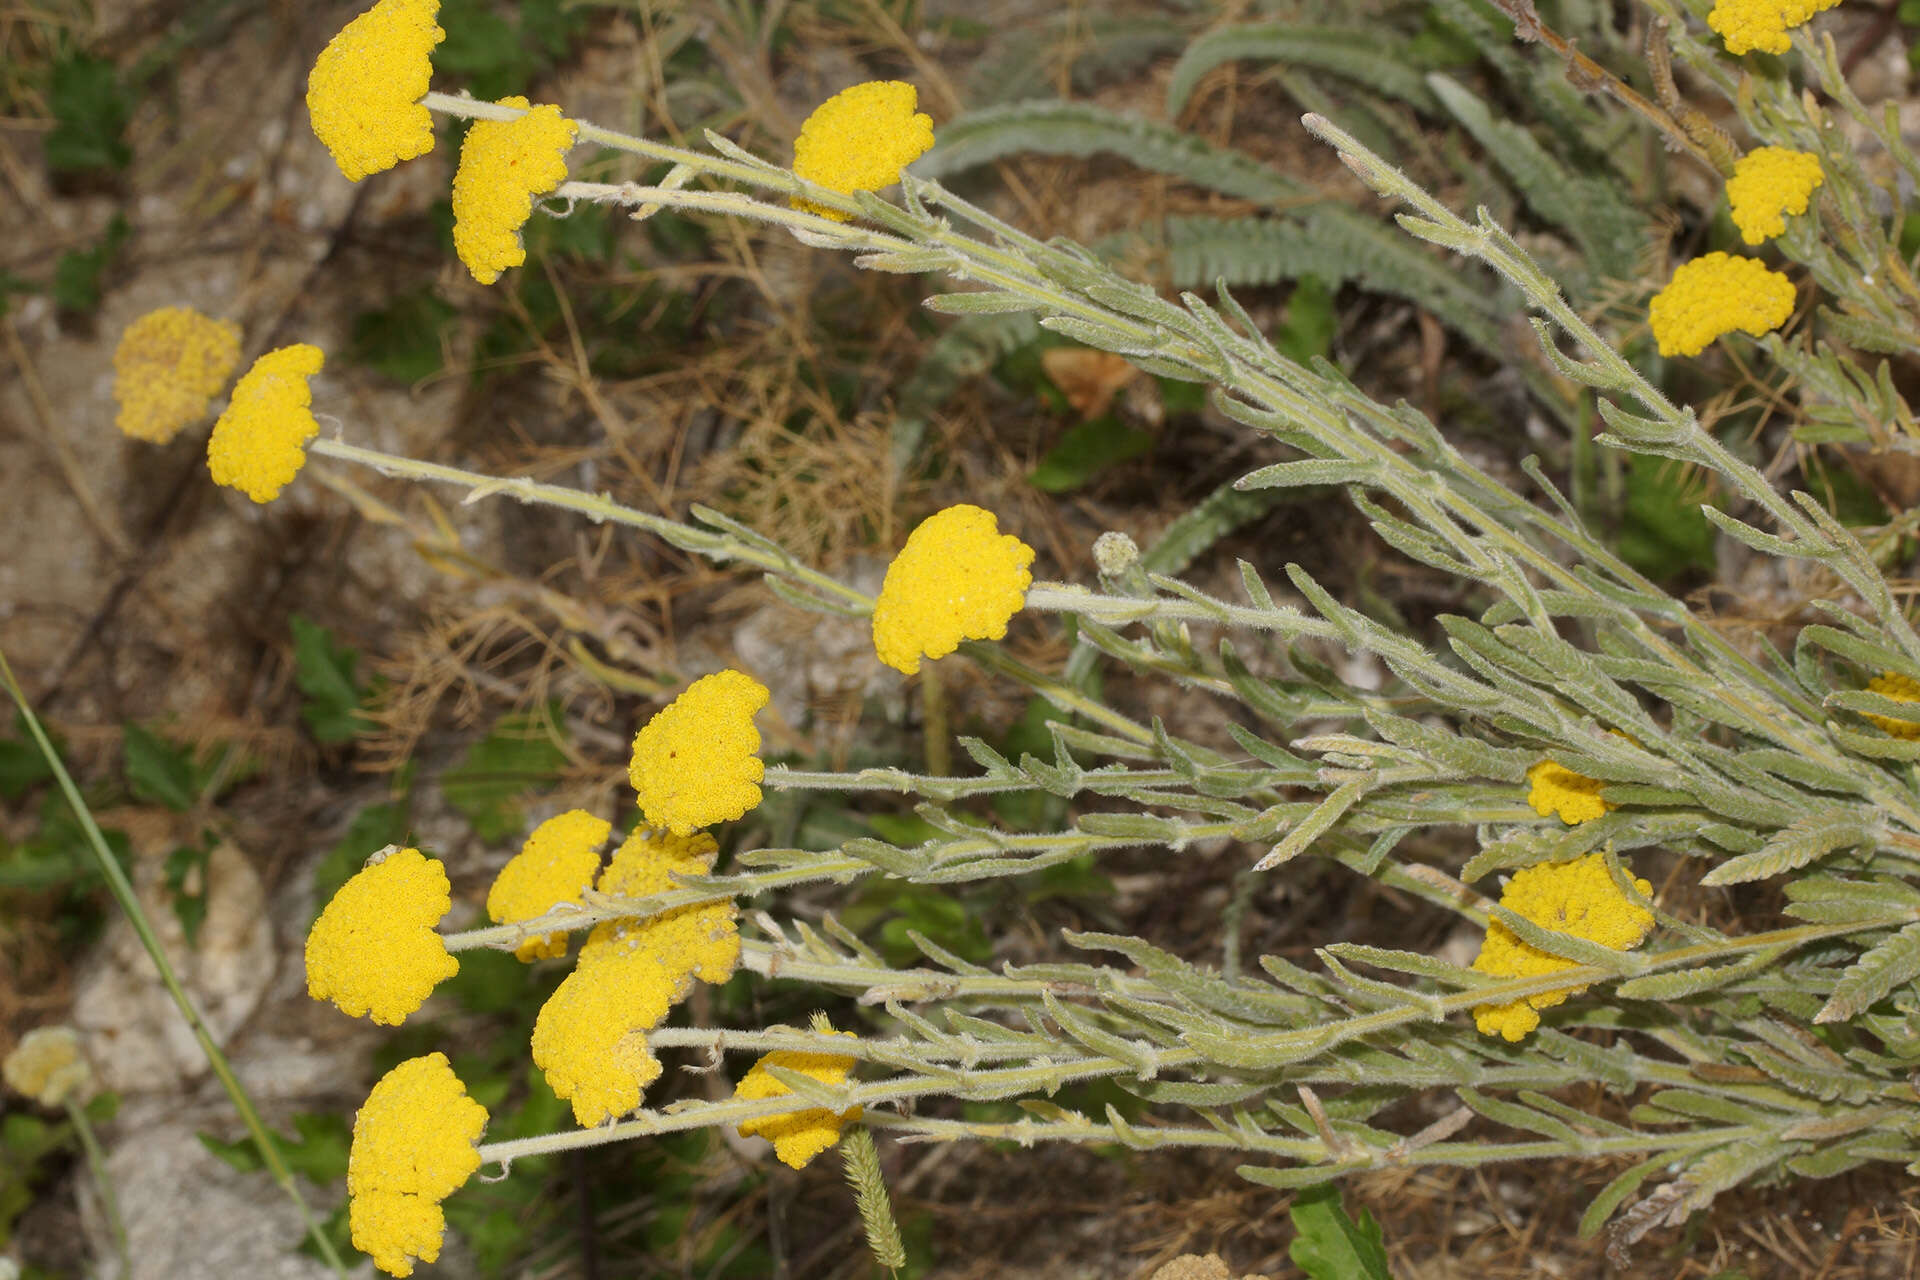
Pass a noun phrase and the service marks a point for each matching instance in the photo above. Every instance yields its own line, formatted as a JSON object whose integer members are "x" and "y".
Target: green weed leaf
{"x": 1086, "y": 450}
{"x": 77, "y": 272}
{"x": 324, "y": 670}
{"x": 158, "y": 771}
{"x": 90, "y": 112}
{"x": 1331, "y": 1245}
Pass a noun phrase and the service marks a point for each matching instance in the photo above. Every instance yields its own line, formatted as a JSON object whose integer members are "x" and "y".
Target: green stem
{"x": 103, "y": 1183}
{"x": 123, "y": 893}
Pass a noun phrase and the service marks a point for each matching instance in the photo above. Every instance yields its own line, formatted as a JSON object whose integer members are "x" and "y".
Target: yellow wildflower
{"x": 1769, "y": 183}
{"x": 859, "y": 140}
{"x": 260, "y": 442}
{"x": 591, "y": 1036}
{"x": 696, "y": 763}
{"x": 958, "y": 578}
{"x": 413, "y": 1146}
{"x": 503, "y": 165}
{"x": 365, "y": 89}
{"x": 169, "y": 366}
{"x": 554, "y": 866}
{"x": 797, "y": 1136}
{"x": 1556, "y": 789}
{"x": 1901, "y": 689}
{"x": 1761, "y": 24}
{"x": 47, "y": 1066}
{"x": 1714, "y": 295}
{"x": 1578, "y": 898}
{"x": 373, "y": 951}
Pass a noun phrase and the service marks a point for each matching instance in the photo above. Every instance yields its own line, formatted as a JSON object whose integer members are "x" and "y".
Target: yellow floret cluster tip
{"x": 1555, "y": 789}
{"x": 373, "y": 951}
{"x": 365, "y": 88}
{"x": 556, "y": 865}
{"x": 47, "y": 1066}
{"x": 1747, "y": 25}
{"x": 958, "y": 578}
{"x": 260, "y": 442}
{"x": 591, "y": 1036}
{"x": 697, "y": 761}
{"x": 504, "y": 164}
{"x": 169, "y": 366}
{"x": 1768, "y": 185}
{"x": 413, "y": 1146}
{"x": 797, "y": 1136}
{"x": 859, "y": 140}
{"x": 1715, "y": 295}
{"x": 1901, "y": 689}
{"x": 1579, "y": 898}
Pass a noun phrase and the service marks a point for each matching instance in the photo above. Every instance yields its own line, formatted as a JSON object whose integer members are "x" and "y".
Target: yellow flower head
{"x": 1901, "y": 689}
{"x": 1747, "y": 25}
{"x": 591, "y": 1036}
{"x": 1769, "y": 183}
{"x": 859, "y": 140}
{"x": 1578, "y": 898}
{"x": 413, "y": 1146}
{"x": 47, "y": 1066}
{"x": 797, "y": 1136}
{"x": 260, "y": 442}
{"x": 958, "y": 578}
{"x": 1574, "y": 797}
{"x": 1712, "y": 296}
{"x": 554, "y": 866}
{"x": 504, "y": 164}
{"x": 373, "y": 951}
{"x": 365, "y": 90}
{"x": 169, "y": 366}
{"x": 696, "y": 763}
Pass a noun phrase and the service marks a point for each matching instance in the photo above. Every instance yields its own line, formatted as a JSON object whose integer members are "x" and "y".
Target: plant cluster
{"x": 1583, "y": 720}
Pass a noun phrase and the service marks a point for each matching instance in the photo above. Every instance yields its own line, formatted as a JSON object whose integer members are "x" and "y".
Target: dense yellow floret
{"x": 1578, "y": 898}
{"x": 365, "y": 88}
{"x": 47, "y": 1066}
{"x": 1713, "y": 296}
{"x": 591, "y": 1036}
{"x": 1574, "y": 797}
{"x": 958, "y": 578}
{"x": 1768, "y": 184}
{"x": 797, "y": 1136}
{"x": 1747, "y": 25}
{"x": 696, "y": 762}
{"x": 260, "y": 442}
{"x": 373, "y": 951}
{"x": 859, "y": 140}
{"x": 556, "y": 865}
{"x": 504, "y": 164}
{"x": 169, "y": 366}
{"x": 1901, "y": 689}
{"x": 413, "y": 1146}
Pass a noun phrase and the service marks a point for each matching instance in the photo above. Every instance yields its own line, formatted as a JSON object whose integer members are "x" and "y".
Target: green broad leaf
{"x": 324, "y": 670}
{"x": 1332, "y": 1246}
{"x": 1310, "y": 324}
{"x": 90, "y": 111}
{"x": 1662, "y": 532}
{"x": 495, "y": 776}
{"x": 1086, "y": 450}
{"x": 158, "y": 771}
{"x": 77, "y": 272}
{"x": 22, "y": 767}
{"x": 402, "y": 339}
{"x": 492, "y": 56}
